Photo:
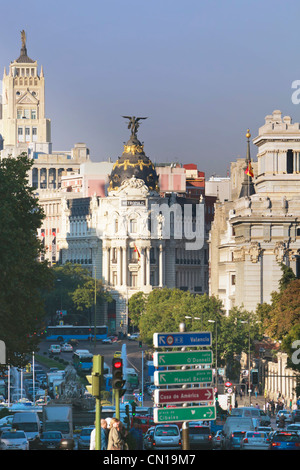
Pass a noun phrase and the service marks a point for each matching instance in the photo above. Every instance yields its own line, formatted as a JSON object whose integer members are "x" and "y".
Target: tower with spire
{"x": 23, "y": 105}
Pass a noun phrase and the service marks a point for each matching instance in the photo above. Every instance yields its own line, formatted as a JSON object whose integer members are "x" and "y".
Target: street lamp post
{"x": 249, "y": 363}
{"x": 216, "y": 361}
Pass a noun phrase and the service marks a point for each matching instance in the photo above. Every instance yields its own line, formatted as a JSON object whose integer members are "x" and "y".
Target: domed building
{"x": 133, "y": 163}
{"x": 137, "y": 239}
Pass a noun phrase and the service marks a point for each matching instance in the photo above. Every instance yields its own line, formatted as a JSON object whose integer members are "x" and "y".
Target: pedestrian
{"x": 104, "y": 436}
{"x": 115, "y": 439}
{"x": 137, "y": 434}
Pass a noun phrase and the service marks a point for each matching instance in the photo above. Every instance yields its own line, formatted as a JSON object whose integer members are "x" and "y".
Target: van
{"x": 237, "y": 423}
{"x": 166, "y": 436}
{"x": 28, "y": 422}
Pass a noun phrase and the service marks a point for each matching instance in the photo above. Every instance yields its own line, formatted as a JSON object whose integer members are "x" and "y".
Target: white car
{"x": 66, "y": 347}
{"x": 55, "y": 349}
{"x": 14, "y": 440}
{"x": 134, "y": 336}
{"x": 255, "y": 441}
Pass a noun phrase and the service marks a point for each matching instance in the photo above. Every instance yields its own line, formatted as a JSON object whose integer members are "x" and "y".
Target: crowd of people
{"x": 115, "y": 437}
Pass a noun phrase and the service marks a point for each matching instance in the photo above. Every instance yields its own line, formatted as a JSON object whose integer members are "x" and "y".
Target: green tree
{"x": 73, "y": 290}
{"x": 22, "y": 276}
{"x": 136, "y": 306}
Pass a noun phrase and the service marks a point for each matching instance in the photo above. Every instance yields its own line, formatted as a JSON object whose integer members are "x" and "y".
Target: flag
{"x": 249, "y": 170}
{"x": 137, "y": 251}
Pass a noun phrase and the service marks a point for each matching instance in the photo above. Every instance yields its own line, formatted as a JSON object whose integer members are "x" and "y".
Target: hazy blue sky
{"x": 202, "y": 71}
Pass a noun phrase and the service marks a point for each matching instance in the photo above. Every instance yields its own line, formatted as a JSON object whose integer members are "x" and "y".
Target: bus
{"x": 83, "y": 361}
{"x": 63, "y": 333}
{"x": 132, "y": 378}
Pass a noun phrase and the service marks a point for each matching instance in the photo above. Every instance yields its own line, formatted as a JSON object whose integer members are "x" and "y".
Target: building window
{"x": 33, "y": 114}
{"x": 19, "y": 113}
{"x": 133, "y": 279}
{"x": 27, "y": 113}
{"x": 34, "y": 134}
{"x": 114, "y": 278}
{"x": 20, "y": 134}
{"x": 133, "y": 225}
{"x": 27, "y": 134}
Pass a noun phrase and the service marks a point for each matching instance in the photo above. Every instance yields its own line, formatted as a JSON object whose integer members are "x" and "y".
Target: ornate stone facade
{"x": 251, "y": 236}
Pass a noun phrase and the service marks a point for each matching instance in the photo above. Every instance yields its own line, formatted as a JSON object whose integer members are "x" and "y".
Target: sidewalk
{"x": 245, "y": 401}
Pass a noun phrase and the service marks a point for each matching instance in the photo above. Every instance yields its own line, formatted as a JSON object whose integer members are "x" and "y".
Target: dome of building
{"x": 133, "y": 162}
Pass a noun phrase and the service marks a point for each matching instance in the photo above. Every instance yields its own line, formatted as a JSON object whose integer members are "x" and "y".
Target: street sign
{"x": 197, "y": 413}
{"x": 181, "y": 377}
{"x": 178, "y": 340}
{"x": 183, "y": 395}
{"x": 183, "y": 358}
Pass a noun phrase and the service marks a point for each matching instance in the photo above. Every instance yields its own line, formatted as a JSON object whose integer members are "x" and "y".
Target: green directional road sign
{"x": 196, "y": 413}
{"x": 181, "y": 377}
{"x": 184, "y": 358}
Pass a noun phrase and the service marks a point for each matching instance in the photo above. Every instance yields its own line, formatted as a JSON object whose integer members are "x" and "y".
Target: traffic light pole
{"x": 117, "y": 403}
{"x": 98, "y": 371}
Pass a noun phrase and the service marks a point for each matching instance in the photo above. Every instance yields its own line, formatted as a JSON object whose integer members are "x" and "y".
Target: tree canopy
{"x": 22, "y": 275}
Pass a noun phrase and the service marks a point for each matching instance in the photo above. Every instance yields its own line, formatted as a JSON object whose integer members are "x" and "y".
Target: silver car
{"x": 14, "y": 440}
{"x": 166, "y": 436}
{"x": 254, "y": 440}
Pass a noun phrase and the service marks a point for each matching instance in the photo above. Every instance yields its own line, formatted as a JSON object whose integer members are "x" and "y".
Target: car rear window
{"x": 198, "y": 430}
{"x": 287, "y": 438}
{"x": 256, "y": 434}
{"x": 166, "y": 432}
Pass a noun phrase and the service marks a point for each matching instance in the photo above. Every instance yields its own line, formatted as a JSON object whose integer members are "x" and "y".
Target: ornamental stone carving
{"x": 279, "y": 251}
{"x": 255, "y": 251}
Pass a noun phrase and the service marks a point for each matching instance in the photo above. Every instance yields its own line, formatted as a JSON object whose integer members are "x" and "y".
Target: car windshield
{"x": 166, "y": 432}
{"x": 13, "y": 435}
{"x": 27, "y": 427}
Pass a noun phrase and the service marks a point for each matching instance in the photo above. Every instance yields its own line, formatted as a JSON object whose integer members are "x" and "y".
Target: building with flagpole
{"x": 258, "y": 229}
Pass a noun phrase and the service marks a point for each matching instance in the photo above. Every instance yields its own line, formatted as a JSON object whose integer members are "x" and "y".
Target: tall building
{"x": 258, "y": 229}
{"x": 24, "y": 127}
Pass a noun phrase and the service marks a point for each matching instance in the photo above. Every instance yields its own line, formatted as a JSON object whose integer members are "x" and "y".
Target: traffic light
{"x": 133, "y": 407}
{"x": 94, "y": 387}
{"x": 117, "y": 374}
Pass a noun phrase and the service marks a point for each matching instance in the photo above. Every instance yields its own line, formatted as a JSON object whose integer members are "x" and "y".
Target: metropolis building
{"x": 131, "y": 236}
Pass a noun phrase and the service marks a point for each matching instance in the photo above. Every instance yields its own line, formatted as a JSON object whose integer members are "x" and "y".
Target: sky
{"x": 203, "y": 72}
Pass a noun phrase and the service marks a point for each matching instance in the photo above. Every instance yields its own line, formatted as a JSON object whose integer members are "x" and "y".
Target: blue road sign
{"x": 178, "y": 340}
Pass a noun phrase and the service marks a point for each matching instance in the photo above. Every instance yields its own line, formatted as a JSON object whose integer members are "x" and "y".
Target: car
{"x": 294, "y": 427}
{"x": 134, "y": 336}
{"x": 285, "y": 441}
{"x": 166, "y": 436}
{"x": 264, "y": 419}
{"x": 200, "y": 437}
{"x": 55, "y": 349}
{"x": 255, "y": 440}
{"x": 84, "y": 438}
{"x": 145, "y": 422}
{"x": 117, "y": 354}
{"x": 14, "y": 440}
{"x": 218, "y": 440}
{"x": 235, "y": 438}
{"x": 148, "y": 438}
{"x": 66, "y": 347}
{"x": 267, "y": 429}
{"x": 107, "y": 341}
{"x": 287, "y": 415}
{"x": 296, "y": 416}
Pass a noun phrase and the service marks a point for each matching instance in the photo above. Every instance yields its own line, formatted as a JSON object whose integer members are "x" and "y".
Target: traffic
{"x": 34, "y": 414}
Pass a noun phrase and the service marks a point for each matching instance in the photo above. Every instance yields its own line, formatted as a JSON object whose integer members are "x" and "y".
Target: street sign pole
{"x": 185, "y": 425}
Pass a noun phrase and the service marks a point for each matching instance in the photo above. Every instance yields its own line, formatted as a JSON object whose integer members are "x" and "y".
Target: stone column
{"x": 147, "y": 253}
{"x": 119, "y": 272}
{"x": 161, "y": 267}
{"x": 124, "y": 266}
{"x": 142, "y": 251}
